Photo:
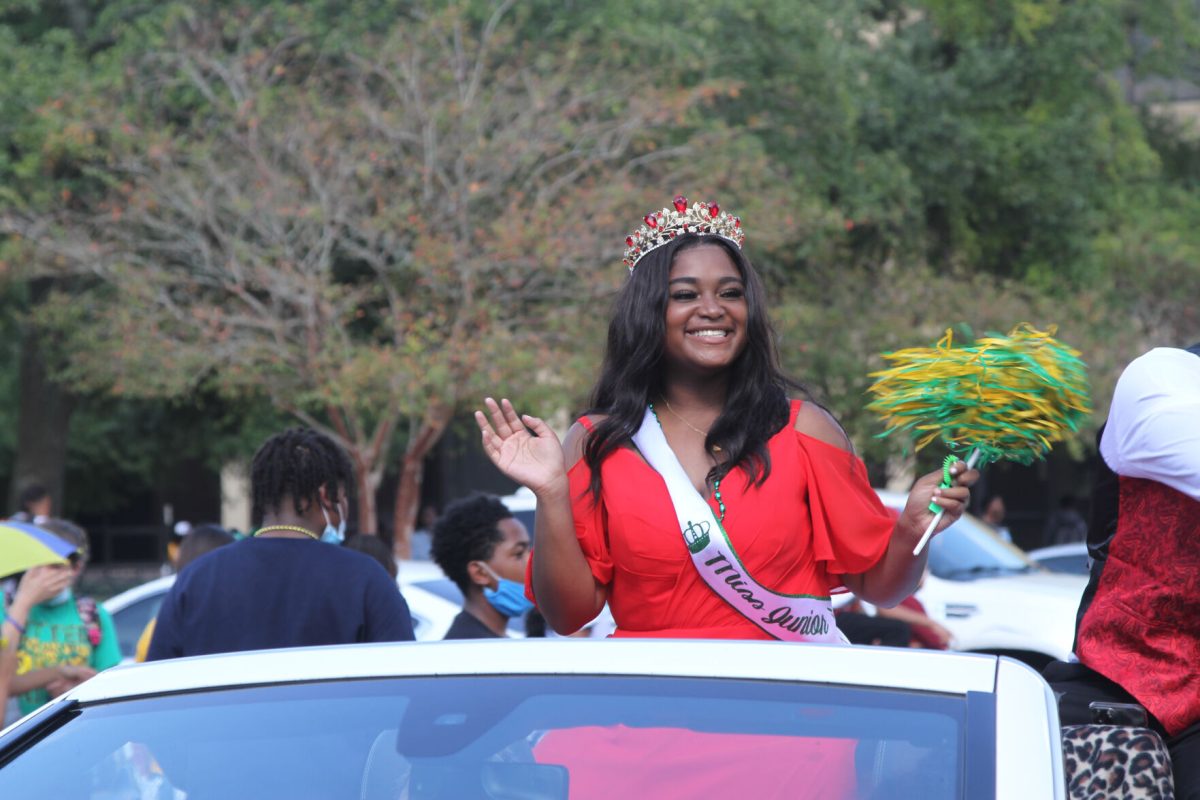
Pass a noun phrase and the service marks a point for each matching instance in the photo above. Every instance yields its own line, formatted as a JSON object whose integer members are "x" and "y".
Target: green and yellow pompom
{"x": 1009, "y": 397}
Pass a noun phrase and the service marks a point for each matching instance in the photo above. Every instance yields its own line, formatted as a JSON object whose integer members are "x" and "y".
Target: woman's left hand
{"x": 916, "y": 515}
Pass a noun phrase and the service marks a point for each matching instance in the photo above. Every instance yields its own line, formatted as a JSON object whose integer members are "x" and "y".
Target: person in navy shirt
{"x": 287, "y": 586}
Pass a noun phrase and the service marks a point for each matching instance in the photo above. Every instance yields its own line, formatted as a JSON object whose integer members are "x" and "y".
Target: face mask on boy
{"x": 508, "y": 597}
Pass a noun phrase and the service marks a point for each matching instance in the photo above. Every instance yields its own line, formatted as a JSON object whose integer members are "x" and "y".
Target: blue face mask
{"x": 60, "y": 598}
{"x": 508, "y": 597}
{"x": 331, "y": 534}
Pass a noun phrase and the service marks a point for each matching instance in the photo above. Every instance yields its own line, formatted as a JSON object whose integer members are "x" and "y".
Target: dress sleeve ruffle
{"x": 591, "y": 523}
{"x": 851, "y": 527}
{"x": 591, "y": 528}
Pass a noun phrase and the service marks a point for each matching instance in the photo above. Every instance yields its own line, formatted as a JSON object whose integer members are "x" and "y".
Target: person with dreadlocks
{"x": 483, "y": 548}
{"x": 284, "y": 586}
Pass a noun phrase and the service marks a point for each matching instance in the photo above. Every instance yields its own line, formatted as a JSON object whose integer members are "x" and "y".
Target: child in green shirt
{"x": 65, "y": 640}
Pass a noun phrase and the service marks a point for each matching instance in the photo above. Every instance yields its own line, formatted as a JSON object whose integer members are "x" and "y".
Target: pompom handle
{"x": 971, "y": 461}
{"x": 947, "y": 480}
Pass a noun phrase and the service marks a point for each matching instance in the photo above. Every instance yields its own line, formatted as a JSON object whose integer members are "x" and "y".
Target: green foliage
{"x": 122, "y": 447}
{"x": 276, "y": 226}
{"x": 9, "y": 364}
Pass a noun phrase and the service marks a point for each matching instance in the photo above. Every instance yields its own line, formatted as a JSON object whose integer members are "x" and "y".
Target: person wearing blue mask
{"x": 285, "y": 586}
{"x": 483, "y": 548}
{"x": 63, "y": 639}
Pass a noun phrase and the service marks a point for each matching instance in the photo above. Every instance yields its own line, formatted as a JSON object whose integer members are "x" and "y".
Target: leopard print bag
{"x": 1116, "y": 762}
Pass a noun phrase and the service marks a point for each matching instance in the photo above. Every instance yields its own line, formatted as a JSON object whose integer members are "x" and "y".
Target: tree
{"x": 372, "y": 214}
{"x": 41, "y": 50}
{"x": 367, "y": 237}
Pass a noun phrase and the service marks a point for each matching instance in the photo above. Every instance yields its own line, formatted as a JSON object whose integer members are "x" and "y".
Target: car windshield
{"x": 967, "y": 550}
{"x": 506, "y": 737}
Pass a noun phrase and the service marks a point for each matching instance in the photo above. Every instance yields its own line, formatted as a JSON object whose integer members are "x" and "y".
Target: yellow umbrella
{"x": 23, "y": 546}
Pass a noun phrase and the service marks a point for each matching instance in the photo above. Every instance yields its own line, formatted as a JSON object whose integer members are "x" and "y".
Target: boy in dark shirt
{"x": 483, "y": 548}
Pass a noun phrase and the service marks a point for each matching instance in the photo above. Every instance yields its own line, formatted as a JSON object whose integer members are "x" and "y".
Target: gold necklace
{"x": 295, "y": 528}
{"x": 716, "y": 447}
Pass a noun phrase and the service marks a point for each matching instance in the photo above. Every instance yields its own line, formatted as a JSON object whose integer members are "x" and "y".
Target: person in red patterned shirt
{"x": 1138, "y": 631}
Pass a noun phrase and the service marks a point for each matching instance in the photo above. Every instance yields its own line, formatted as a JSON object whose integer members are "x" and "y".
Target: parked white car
{"x": 547, "y": 719}
{"x": 1071, "y": 558}
{"x": 993, "y": 597}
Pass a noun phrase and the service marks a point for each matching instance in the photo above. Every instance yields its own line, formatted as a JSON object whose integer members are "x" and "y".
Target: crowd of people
{"x": 703, "y": 494}
{"x": 281, "y": 587}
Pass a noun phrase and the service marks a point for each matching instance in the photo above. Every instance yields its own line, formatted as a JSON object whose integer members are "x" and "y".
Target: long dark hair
{"x": 756, "y": 406}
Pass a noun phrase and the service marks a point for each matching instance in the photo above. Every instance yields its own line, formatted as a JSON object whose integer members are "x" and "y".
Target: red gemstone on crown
{"x": 629, "y": 241}
{"x": 737, "y": 222}
{"x": 680, "y": 203}
{"x": 651, "y": 221}
{"x": 713, "y": 210}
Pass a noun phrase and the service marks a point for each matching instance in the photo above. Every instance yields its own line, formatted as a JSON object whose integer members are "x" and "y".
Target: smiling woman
{"x": 706, "y": 313}
{"x": 701, "y": 496}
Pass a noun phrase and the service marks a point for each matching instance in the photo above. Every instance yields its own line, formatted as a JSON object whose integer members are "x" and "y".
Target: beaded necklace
{"x": 294, "y": 528}
{"x": 716, "y": 483}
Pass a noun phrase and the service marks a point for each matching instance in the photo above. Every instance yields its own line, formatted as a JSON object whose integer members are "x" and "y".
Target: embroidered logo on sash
{"x": 696, "y": 535}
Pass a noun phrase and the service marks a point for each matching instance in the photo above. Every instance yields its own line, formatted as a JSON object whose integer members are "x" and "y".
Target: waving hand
{"x": 532, "y": 459}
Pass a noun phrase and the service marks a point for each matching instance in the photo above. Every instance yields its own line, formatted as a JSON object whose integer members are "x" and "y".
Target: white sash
{"x": 791, "y": 617}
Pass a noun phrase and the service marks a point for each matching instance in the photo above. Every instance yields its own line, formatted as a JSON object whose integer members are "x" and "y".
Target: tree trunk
{"x": 412, "y": 473}
{"x": 43, "y": 416}
{"x": 235, "y": 496}
{"x": 368, "y": 485}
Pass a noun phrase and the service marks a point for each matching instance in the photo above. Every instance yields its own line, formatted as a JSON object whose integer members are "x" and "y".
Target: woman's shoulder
{"x": 587, "y": 422}
{"x": 576, "y": 438}
{"x": 814, "y": 421}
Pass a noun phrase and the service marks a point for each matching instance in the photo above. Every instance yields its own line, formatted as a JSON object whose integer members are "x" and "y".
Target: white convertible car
{"x": 547, "y": 720}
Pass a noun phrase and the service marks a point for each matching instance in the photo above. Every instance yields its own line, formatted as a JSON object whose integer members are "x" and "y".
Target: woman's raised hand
{"x": 532, "y": 459}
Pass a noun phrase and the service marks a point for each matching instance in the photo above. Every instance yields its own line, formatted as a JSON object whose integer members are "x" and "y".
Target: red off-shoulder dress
{"x": 814, "y": 520}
